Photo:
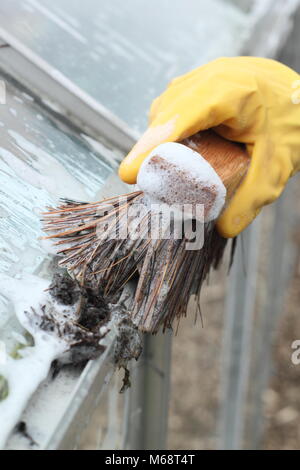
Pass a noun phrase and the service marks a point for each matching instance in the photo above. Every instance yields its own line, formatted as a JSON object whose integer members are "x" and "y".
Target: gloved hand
{"x": 246, "y": 99}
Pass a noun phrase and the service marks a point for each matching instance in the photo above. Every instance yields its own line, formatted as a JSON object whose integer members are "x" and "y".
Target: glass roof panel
{"x": 124, "y": 53}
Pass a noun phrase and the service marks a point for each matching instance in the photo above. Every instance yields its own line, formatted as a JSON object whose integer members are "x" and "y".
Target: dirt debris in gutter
{"x": 91, "y": 322}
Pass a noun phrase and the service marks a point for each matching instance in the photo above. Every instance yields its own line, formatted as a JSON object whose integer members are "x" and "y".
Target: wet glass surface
{"x": 124, "y": 53}
{"x": 41, "y": 160}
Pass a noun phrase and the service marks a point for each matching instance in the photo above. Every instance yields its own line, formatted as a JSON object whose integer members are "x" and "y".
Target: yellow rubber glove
{"x": 246, "y": 99}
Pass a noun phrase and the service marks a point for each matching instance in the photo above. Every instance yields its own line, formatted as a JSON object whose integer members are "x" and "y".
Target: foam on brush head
{"x": 174, "y": 174}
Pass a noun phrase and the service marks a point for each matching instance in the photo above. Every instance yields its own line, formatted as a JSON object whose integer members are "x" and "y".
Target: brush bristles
{"x": 168, "y": 273}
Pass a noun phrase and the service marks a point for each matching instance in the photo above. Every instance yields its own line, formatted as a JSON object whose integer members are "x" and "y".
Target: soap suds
{"x": 51, "y": 320}
{"x": 174, "y": 174}
{"x": 25, "y": 374}
{"x": 67, "y": 322}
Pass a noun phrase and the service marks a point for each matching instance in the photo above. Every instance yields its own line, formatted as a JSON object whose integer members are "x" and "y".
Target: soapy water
{"x": 25, "y": 374}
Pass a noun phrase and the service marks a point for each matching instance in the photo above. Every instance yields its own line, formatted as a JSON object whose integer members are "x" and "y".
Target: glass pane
{"x": 124, "y": 53}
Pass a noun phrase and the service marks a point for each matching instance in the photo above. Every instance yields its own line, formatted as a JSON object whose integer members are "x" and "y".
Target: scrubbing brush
{"x": 106, "y": 243}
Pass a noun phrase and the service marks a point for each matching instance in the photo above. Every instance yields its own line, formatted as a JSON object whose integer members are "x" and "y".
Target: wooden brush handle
{"x": 230, "y": 160}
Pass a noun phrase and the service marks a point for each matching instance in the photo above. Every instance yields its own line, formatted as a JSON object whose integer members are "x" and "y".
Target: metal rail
{"x": 237, "y": 338}
{"x": 148, "y": 403}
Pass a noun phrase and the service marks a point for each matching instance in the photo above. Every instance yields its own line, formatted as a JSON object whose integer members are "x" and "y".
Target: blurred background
{"x": 232, "y": 381}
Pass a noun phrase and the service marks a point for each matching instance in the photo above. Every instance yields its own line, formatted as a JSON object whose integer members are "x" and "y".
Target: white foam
{"x": 188, "y": 179}
{"x": 25, "y": 374}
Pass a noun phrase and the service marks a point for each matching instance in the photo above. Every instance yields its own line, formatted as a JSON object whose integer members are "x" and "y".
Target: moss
{"x": 4, "y": 388}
